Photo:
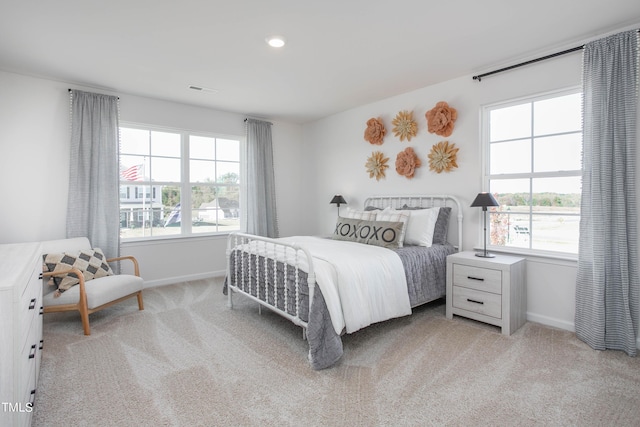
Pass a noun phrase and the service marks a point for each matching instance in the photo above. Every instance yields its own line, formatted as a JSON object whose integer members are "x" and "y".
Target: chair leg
{"x": 84, "y": 315}
{"x": 140, "y": 303}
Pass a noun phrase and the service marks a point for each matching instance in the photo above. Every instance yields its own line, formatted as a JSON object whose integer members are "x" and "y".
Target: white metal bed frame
{"x": 291, "y": 254}
{"x": 296, "y": 255}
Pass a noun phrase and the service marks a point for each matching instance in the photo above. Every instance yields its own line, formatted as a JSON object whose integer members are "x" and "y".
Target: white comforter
{"x": 361, "y": 284}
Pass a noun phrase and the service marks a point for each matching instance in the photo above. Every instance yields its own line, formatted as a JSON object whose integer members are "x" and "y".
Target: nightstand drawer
{"x": 482, "y": 279}
{"x": 477, "y": 301}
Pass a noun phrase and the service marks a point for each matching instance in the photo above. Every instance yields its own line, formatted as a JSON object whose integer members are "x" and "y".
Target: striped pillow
{"x": 356, "y": 214}
{"x": 392, "y": 215}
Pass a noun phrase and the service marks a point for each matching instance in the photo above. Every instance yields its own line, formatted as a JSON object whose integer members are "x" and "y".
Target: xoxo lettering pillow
{"x": 387, "y": 234}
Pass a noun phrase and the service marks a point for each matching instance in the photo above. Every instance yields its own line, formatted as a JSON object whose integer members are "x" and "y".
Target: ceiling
{"x": 339, "y": 53}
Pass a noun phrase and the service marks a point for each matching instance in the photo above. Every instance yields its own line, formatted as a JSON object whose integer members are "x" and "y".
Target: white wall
{"x": 340, "y": 152}
{"x": 34, "y": 153}
{"x": 34, "y": 148}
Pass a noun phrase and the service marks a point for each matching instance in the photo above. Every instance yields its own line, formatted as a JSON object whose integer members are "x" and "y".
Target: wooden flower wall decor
{"x": 375, "y": 131}
{"x": 441, "y": 118}
{"x": 404, "y": 126}
{"x": 443, "y": 157}
{"x": 376, "y": 165}
{"x": 407, "y": 162}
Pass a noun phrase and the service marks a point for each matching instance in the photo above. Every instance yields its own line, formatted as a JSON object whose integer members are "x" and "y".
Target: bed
{"x": 380, "y": 263}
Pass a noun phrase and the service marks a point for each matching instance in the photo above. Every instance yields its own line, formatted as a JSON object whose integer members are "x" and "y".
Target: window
{"x": 533, "y": 168}
{"x": 168, "y": 175}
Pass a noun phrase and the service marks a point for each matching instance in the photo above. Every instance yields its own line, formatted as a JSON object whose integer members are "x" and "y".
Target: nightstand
{"x": 490, "y": 290}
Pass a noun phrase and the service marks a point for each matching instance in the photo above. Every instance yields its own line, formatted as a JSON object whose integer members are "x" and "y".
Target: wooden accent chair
{"x": 92, "y": 295}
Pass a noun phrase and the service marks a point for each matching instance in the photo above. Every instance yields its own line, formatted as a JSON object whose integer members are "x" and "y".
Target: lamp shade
{"x": 483, "y": 200}
{"x": 338, "y": 200}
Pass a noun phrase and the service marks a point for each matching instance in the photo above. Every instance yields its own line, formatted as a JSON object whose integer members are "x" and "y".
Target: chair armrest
{"x": 74, "y": 271}
{"x": 136, "y": 268}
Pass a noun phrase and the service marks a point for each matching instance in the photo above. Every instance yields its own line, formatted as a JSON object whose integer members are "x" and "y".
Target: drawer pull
{"x": 32, "y": 353}
{"x": 41, "y": 310}
{"x": 32, "y": 304}
{"x": 474, "y": 301}
{"x": 475, "y": 278}
{"x": 41, "y": 344}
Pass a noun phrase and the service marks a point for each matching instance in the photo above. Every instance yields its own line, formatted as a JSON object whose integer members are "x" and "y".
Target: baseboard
{"x": 561, "y": 324}
{"x": 551, "y": 321}
{"x": 186, "y": 278}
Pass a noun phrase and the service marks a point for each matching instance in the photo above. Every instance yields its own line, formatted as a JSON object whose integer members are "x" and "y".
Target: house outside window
{"x": 169, "y": 175}
{"x": 532, "y": 166}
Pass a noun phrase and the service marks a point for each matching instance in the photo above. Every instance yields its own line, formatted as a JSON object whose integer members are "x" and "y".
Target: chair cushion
{"x": 99, "y": 291}
{"x": 91, "y": 262}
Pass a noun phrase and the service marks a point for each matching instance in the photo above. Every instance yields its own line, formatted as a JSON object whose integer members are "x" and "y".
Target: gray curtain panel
{"x": 259, "y": 188}
{"x": 93, "y": 206}
{"x": 608, "y": 285}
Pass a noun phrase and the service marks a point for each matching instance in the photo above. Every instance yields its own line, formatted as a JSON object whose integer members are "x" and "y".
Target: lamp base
{"x": 485, "y": 255}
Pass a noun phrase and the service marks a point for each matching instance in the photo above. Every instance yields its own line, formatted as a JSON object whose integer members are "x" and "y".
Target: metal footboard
{"x": 270, "y": 272}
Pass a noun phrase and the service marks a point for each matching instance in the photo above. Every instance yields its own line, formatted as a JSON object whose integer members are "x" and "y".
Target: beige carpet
{"x": 187, "y": 360}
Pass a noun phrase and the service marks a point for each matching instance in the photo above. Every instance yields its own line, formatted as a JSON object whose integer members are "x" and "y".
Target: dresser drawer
{"x": 486, "y": 303}
{"x": 481, "y": 279}
{"x": 27, "y": 359}
{"x": 28, "y": 401}
{"x": 29, "y": 308}
{"x": 28, "y": 387}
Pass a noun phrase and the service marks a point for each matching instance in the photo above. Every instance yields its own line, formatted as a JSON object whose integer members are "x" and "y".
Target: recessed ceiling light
{"x": 275, "y": 41}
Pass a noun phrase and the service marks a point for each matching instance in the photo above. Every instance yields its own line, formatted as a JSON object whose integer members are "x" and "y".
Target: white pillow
{"x": 356, "y": 214}
{"x": 422, "y": 223}
{"x": 392, "y": 215}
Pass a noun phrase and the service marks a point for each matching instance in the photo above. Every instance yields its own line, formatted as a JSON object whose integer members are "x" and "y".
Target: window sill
{"x": 171, "y": 239}
{"x": 538, "y": 256}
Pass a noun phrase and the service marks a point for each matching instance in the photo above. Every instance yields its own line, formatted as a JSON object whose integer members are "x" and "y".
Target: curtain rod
{"x": 260, "y": 120}
{"x": 553, "y": 55}
{"x": 71, "y": 90}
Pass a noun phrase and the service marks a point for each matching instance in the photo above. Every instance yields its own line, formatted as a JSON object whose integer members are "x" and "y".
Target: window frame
{"x": 487, "y": 177}
{"x": 185, "y": 185}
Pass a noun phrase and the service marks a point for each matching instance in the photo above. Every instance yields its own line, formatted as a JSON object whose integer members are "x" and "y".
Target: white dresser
{"x": 20, "y": 330}
{"x": 491, "y": 290}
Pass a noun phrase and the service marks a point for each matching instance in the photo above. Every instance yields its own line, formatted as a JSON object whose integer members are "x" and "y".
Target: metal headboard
{"x": 421, "y": 201}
